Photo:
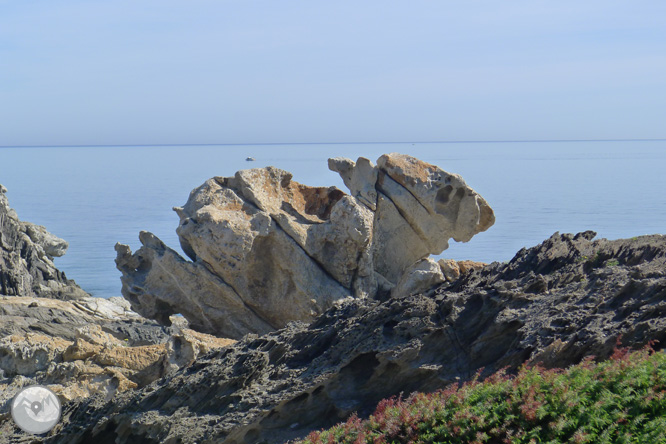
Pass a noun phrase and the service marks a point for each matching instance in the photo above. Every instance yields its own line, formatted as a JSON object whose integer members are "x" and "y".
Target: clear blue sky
{"x": 244, "y": 71}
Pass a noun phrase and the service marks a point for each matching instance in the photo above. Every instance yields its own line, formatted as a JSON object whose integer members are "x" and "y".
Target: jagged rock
{"x": 419, "y": 207}
{"x": 279, "y": 386}
{"x": 92, "y": 357}
{"x": 52, "y": 245}
{"x": 21, "y": 315}
{"x": 287, "y": 241}
{"x": 266, "y": 250}
{"x": 158, "y": 283}
{"x": 26, "y": 259}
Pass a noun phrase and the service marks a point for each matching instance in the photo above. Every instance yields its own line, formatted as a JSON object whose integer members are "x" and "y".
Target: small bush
{"x": 621, "y": 400}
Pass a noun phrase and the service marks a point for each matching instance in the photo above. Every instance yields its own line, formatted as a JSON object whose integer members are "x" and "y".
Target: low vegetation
{"x": 621, "y": 400}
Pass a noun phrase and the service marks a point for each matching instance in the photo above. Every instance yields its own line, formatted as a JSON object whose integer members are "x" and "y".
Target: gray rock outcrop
{"x": 553, "y": 304}
{"x": 87, "y": 347}
{"x": 265, "y": 250}
{"x": 26, "y": 259}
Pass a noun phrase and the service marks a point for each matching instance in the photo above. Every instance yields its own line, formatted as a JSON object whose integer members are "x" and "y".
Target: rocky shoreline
{"x": 26, "y": 262}
{"x": 125, "y": 378}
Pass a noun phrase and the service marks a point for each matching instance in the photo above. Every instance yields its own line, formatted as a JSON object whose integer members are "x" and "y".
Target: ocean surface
{"x": 96, "y": 196}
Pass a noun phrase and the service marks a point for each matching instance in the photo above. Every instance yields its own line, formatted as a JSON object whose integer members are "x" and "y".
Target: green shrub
{"x": 621, "y": 400}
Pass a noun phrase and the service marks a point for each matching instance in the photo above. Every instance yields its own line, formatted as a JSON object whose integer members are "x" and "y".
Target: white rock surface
{"x": 421, "y": 276}
{"x": 359, "y": 177}
{"x": 455, "y": 208}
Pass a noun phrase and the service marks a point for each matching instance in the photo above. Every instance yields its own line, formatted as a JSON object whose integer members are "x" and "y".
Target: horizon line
{"x": 337, "y": 143}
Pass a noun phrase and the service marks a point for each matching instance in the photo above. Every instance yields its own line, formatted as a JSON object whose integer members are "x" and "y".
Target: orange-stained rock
{"x": 453, "y": 269}
{"x": 132, "y": 358}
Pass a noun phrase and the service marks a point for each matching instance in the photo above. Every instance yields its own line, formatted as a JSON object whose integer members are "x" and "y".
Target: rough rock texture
{"x": 87, "y": 347}
{"x": 21, "y": 315}
{"x": 436, "y": 205}
{"x": 266, "y": 250}
{"x": 96, "y": 362}
{"x": 26, "y": 259}
{"x": 564, "y": 299}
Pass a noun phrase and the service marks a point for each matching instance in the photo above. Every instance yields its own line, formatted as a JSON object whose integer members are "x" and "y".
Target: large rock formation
{"x": 26, "y": 259}
{"x": 266, "y": 250}
{"x": 554, "y": 304}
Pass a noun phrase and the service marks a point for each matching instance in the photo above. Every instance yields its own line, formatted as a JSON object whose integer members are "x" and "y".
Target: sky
{"x": 229, "y": 71}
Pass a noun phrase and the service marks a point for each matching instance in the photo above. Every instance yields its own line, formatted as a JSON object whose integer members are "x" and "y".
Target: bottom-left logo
{"x": 36, "y": 409}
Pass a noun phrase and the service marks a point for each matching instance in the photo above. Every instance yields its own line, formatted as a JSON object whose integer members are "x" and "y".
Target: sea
{"x": 95, "y": 196}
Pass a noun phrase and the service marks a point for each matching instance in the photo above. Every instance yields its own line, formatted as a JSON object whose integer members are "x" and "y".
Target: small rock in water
{"x": 250, "y": 159}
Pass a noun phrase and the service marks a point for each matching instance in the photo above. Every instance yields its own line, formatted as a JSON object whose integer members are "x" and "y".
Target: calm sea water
{"x": 96, "y": 196}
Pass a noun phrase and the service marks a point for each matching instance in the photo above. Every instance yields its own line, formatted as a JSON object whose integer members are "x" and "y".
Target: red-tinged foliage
{"x": 624, "y": 396}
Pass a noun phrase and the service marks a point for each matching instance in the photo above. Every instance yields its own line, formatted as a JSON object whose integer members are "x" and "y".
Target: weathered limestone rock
{"x": 26, "y": 259}
{"x": 445, "y": 196}
{"x": 159, "y": 283}
{"x": 420, "y": 277}
{"x": 24, "y": 355}
{"x": 266, "y": 250}
{"x": 435, "y": 204}
{"x": 184, "y": 347}
{"x": 397, "y": 246}
{"x": 132, "y": 358}
{"x": 360, "y": 177}
{"x": 80, "y": 350}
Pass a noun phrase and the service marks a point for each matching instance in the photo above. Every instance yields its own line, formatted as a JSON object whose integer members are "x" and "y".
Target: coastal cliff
{"x": 386, "y": 319}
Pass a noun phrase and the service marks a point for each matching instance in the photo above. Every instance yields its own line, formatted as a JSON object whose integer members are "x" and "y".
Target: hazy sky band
{"x": 106, "y": 73}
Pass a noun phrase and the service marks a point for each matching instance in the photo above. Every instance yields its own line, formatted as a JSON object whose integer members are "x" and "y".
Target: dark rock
{"x": 565, "y": 299}
{"x": 26, "y": 259}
